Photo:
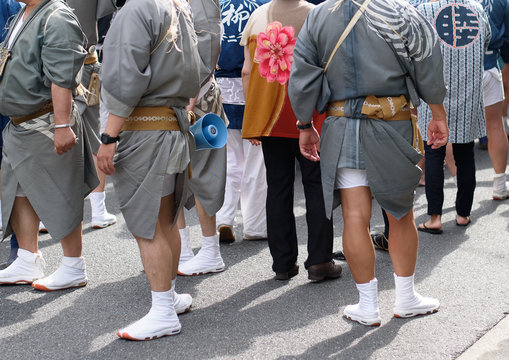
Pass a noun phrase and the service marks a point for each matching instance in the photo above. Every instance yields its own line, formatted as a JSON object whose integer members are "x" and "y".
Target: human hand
{"x": 105, "y": 158}
{"x": 255, "y": 142}
{"x": 438, "y": 131}
{"x": 64, "y": 140}
{"x": 309, "y": 144}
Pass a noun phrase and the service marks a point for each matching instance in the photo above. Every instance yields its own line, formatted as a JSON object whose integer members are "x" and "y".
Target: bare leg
{"x": 497, "y": 144}
{"x": 207, "y": 223}
{"x": 403, "y": 243}
{"x": 25, "y": 224}
{"x": 158, "y": 261}
{"x": 357, "y": 244}
{"x": 72, "y": 243}
{"x": 157, "y": 253}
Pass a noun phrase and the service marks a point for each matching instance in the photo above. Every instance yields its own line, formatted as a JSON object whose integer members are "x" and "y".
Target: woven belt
{"x": 384, "y": 108}
{"x": 91, "y": 58}
{"x": 151, "y": 118}
{"x": 42, "y": 111}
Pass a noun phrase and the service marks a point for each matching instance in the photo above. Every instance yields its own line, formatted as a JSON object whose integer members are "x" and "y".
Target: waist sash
{"x": 152, "y": 118}
{"x": 42, "y": 111}
{"x": 383, "y": 108}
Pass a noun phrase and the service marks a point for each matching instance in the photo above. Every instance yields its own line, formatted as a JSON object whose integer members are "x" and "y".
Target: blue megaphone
{"x": 209, "y": 132}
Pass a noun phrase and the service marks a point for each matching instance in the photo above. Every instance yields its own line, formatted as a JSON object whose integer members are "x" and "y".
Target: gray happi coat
{"x": 143, "y": 68}
{"x": 209, "y": 165}
{"x": 88, "y": 12}
{"x": 48, "y": 49}
{"x": 366, "y": 65}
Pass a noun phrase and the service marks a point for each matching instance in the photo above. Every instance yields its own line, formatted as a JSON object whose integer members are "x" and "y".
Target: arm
{"x": 64, "y": 138}
{"x": 438, "y": 131}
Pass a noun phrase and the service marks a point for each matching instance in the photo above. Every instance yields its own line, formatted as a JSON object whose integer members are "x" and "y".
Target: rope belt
{"x": 42, "y": 111}
{"x": 152, "y": 118}
{"x": 383, "y": 108}
{"x": 92, "y": 58}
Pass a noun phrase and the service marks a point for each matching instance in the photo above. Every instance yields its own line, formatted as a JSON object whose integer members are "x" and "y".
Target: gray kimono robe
{"x": 48, "y": 49}
{"x": 88, "y": 12}
{"x": 209, "y": 166}
{"x": 366, "y": 64}
{"x": 142, "y": 67}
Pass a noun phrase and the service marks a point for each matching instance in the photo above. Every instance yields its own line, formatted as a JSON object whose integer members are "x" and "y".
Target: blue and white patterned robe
{"x": 464, "y": 33}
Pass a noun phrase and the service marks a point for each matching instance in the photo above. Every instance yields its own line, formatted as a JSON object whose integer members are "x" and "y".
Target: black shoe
{"x": 338, "y": 255}
{"x": 328, "y": 270}
{"x": 380, "y": 241}
{"x": 226, "y": 234}
{"x": 287, "y": 275}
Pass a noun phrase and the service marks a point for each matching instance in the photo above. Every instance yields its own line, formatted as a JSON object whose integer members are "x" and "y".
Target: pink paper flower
{"x": 274, "y": 52}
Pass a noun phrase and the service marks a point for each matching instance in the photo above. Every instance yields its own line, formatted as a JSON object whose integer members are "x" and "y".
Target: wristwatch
{"x": 302, "y": 126}
{"x": 106, "y": 139}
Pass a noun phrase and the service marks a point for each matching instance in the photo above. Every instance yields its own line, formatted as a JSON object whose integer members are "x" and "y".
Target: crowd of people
{"x": 356, "y": 92}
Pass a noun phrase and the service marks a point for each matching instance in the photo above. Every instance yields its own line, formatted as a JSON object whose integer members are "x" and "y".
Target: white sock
{"x": 210, "y": 241}
{"x": 368, "y": 296}
{"x": 28, "y": 256}
{"x": 161, "y": 319}
{"x": 74, "y": 262}
{"x": 184, "y": 234}
{"x": 406, "y": 297}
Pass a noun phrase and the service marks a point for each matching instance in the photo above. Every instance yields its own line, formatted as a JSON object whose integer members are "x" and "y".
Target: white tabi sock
{"x": 186, "y": 252}
{"x": 71, "y": 273}
{"x": 182, "y": 302}
{"x": 409, "y": 302}
{"x": 208, "y": 259}
{"x": 161, "y": 320}
{"x": 366, "y": 311}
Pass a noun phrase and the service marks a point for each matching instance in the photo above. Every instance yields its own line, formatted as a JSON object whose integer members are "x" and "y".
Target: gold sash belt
{"x": 383, "y": 108}
{"x": 42, "y": 111}
{"x": 152, "y": 118}
{"x": 92, "y": 58}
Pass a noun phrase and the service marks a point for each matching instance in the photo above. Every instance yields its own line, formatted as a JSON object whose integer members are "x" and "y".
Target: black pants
{"x": 280, "y": 155}
{"x": 465, "y": 163}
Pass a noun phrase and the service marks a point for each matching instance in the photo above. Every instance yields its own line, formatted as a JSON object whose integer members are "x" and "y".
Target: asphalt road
{"x": 243, "y": 313}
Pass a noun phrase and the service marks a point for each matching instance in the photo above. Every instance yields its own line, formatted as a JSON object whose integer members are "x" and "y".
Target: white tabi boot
{"x": 500, "y": 188}
{"x": 186, "y": 252}
{"x": 208, "y": 259}
{"x": 182, "y": 302}
{"x": 101, "y": 218}
{"x": 161, "y": 320}
{"x": 27, "y": 268}
{"x": 408, "y": 302}
{"x": 366, "y": 311}
{"x": 70, "y": 274}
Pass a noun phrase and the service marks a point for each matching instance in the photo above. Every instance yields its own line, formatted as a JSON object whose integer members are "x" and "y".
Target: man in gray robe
{"x": 150, "y": 70}
{"x": 366, "y": 145}
{"x": 88, "y": 12}
{"x": 47, "y": 167}
{"x": 208, "y": 180}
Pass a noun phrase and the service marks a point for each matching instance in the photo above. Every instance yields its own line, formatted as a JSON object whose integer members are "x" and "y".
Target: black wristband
{"x": 106, "y": 139}
{"x": 304, "y": 126}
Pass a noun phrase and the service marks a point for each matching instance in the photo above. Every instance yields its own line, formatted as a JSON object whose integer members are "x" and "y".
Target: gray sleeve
{"x": 62, "y": 51}
{"x": 126, "y": 71}
{"x": 207, "y": 24}
{"x": 86, "y": 13}
{"x": 307, "y": 79}
{"x": 425, "y": 54}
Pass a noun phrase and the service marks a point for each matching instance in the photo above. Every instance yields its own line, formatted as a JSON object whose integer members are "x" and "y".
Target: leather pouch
{"x": 92, "y": 95}
{"x": 5, "y": 54}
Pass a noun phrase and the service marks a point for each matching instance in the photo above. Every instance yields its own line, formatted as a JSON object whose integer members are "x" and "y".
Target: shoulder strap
{"x": 347, "y": 31}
